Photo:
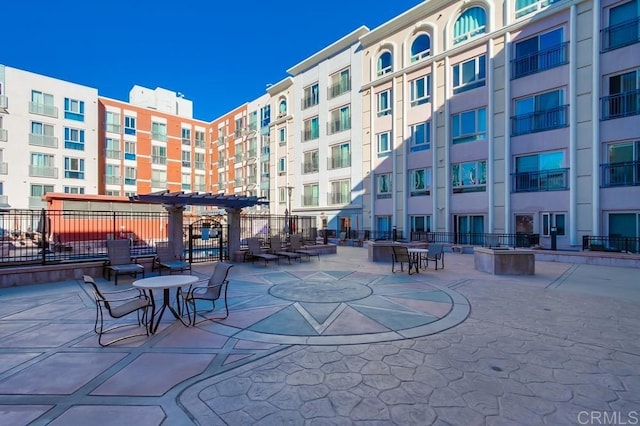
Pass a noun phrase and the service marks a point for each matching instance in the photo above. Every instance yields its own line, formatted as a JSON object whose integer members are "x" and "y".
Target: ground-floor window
{"x": 524, "y": 223}
{"x": 383, "y": 226}
{"x": 469, "y": 229}
{"x": 553, "y": 220}
{"x": 420, "y": 223}
{"x": 623, "y": 225}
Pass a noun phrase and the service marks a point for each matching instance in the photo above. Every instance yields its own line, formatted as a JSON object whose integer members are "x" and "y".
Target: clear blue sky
{"x": 219, "y": 53}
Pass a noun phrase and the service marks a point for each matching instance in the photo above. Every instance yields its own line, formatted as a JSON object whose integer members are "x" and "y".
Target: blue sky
{"x": 220, "y": 54}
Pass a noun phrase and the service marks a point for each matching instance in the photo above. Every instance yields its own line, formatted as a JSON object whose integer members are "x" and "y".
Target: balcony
{"x": 158, "y": 159}
{"x": 338, "y": 89}
{"x": 339, "y": 162}
{"x": 43, "y": 140}
{"x": 199, "y": 165}
{"x": 200, "y": 143}
{"x": 310, "y": 201}
{"x": 264, "y": 156}
{"x": 112, "y": 180}
{"x": 621, "y": 105}
{"x": 158, "y": 183}
{"x": 336, "y": 126}
{"x": 186, "y": 164}
{"x": 541, "y": 180}
{"x": 338, "y": 198}
{"x": 308, "y": 135}
{"x": 113, "y": 128}
{"x": 200, "y": 187}
{"x": 113, "y": 154}
{"x": 4, "y": 135}
{"x": 309, "y": 101}
{"x": 160, "y": 137}
{"x": 620, "y": 35}
{"x": 310, "y": 167}
{"x": 540, "y": 61}
{"x": 539, "y": 121}
{"x": 4, "y": 102}
{"x": 186, "y": 141}
{"x": 130, "y": 181}
{"x": 42, "y": 109}
{"x": 620, "y": 174}
{"x": 43, "y": 171}
{"x": 4, "y": 168}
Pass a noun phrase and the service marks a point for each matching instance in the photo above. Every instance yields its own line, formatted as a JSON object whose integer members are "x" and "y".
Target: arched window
{"x": 385, "y": 63}
{"x": 282, "y": 107}
{"x": 420, "y": 48}
{"x": 471, "y": 23}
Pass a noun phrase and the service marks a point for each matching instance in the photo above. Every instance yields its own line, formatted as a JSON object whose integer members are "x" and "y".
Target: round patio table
{"x": 165, "y": 283}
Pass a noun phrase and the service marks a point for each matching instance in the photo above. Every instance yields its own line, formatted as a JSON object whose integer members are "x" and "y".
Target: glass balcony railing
{"x": 43, "y": 171}
{"x": 42, "y": 109}
{"x": 43, "y": 140}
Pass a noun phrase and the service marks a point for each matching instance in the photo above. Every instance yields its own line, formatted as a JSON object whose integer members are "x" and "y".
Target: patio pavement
{"x": 339, "y": 340}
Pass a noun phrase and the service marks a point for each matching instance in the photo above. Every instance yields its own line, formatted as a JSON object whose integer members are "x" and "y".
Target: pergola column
{"x": 233, "y": 221}
{"x": 175, "y": 229}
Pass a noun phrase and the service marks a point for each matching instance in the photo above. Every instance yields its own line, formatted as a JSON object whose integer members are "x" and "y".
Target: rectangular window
{"x": 112, "y": 148}
{"x": 311, "y": 96}
{"x": 158, "y": 155}
{"x": 340, "y": 83}
{"x": 310, "y": 195}
{"x": 73, "y": 109}
{"x": 383, "y": 185}
{"x": 74, "y": 139}
{"x": 469, "y": 74}
{"x": 282, "y": 136}
{"x": 420, "y": 90}
{"x": 199, "y": 160}
{"x": 623, "y": 26}
{"x": 340, "y": 119}
{"x": 158, "y": 178}
{"x": 199, "y": 183}
{"x": 340, "y": 192}
{"x": 420, "y": 136}
{"x": 73, "y": 168}
{"x": 265, "y": 116}
{"x": 112, "y": 122}
{"x": 40, "y": 190}
{"x": 383, "y": 141}
{"x": 469, "y": 177}
{"x": 186, "y": 158}
{"x": 622, "y": 167}
{"x": 311, "y": 162}
{"x": 129, "y": 150}
{"x": 420, "y": 223}
{"x": 384, "y": 103}
{"x": 624, "y": 96}
{"x": 525, "y": 7}
{"x": 311, "y": 129}
{"x": 539, "y": 53}
{"x": 282, "y": 195}
{"x": 129, "y": 125}
{"x": 130, "y": 175}
{"x": 469, "y": 126}
{"x": 186, "y": 136}
{"x": 186, "y": 181}
{"x": 74, "y": 189}
{"x": 339, "y": 156}
{"x": 112, "y": 174}
{"x": 42, "y": 135}
{"x": 420, "y": 182}
{"x": 553, "y": 220}
{"x": 200, "y": 139}
{"x": 42, "y": 104}
{"x": 540, "y": 172}
{"x": 282, "y": 165}
{"x": 158, "y": 131}
{"x": 544, "y": 111}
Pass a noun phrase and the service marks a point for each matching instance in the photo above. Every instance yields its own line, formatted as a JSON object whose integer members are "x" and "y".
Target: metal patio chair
{"x": 212, "y": 289}
{"x": 120, "y": 260}
{"x": 166, "y": 259}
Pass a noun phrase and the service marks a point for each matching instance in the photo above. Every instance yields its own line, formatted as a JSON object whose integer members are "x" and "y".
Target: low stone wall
{"x": 504, "y": 261}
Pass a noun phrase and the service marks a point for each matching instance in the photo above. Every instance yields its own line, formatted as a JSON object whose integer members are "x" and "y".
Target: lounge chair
{"x": 120, "y": 261}
{"x": 211, "y": 289}
{"x": 436, "y": 252}
{"x": 276, "y": 248}
{"x": 166, "y": 259}
{"x": 296, "y": 246}
{"x": 401, "y": 255}
{"x": 118, "y": 304}
{"x": 257, "y": 252}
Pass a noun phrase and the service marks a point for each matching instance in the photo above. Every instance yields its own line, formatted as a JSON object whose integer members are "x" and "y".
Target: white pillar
{"x": 176, "y": 231}
{"x": 233, "y": 222}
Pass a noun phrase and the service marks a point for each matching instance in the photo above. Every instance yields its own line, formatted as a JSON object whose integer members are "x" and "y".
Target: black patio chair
{"x": 401, "y": 255}
{"x": 214, "y": 288}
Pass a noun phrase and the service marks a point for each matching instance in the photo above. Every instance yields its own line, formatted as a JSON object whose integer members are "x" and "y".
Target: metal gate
{"x": 207, "y": 241}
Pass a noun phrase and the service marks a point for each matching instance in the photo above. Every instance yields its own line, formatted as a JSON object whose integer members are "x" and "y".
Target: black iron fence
{"x": 265, "y": 226}
{"x": 611, "y": 243}
{"x": 522, "y": 240}
{"x": 207, "y": 240}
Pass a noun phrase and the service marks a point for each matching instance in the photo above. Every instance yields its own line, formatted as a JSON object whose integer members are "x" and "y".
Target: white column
{"x": 233, "y": 222}
{"x": 573, "y": 124}
{"x": 175, "y": 229}
{"x": 595, "y": 121}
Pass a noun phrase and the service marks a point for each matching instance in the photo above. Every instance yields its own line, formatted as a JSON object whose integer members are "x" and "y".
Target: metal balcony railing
{"x": 542, "y": 180}
{"x": 621, "y": 174}
{"x": 540, "y": 61}
{"x": 308, "y": 135}
{"x": 339, "y": 162}
{"x": 186, "y": 141}
{"x": 620, "y": 35}
{"x": 612, "y": 243}
{"x": 621, "y": 105}
{"x": 310, "y": 167}
{"x": 336, "y": 126}
{"x": 338, "y": 198}
{"x": 160, "y": 137}
{"x": 309, "y": 101}
{"x": 308, "y": 201}
{"x": 338, "y": 89}
{"x": 42, "y": 109}
{"x": 43, "y": 140}
{"x": 539, "y": 121}
{"x": 199, "y": 165}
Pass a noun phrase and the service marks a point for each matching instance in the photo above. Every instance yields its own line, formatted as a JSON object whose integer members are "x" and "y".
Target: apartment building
{"x": 48, "y": 138}
{"x": 150, "y": 143}
{"x": 319, "y": 166}
{"x": 514, "y": 116}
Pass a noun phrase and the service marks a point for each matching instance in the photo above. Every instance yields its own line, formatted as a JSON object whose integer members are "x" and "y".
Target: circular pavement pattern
{"x": 338, "y": 307}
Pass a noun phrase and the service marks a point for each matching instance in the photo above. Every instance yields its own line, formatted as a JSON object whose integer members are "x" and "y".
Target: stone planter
{"x": 504, "y": 261}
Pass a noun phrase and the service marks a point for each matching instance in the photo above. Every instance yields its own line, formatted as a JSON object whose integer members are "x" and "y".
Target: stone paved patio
{"x": 360, "y": 346}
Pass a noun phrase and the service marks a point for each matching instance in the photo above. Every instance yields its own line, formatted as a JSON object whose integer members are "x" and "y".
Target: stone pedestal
{"x": 504, "y": 261}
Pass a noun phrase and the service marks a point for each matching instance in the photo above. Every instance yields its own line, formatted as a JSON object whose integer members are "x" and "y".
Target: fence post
{"x": 43, "y": 235}
{"x": 190, "y": 245}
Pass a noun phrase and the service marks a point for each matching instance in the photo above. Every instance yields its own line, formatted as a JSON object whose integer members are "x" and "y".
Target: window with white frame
{"x": 74, "y": 189}
{"x": 73, "y": 109}
{"x": 158, "y": 178}
{"x": 340, "y": 83}
{"x": 383, "y": 141}
{"x": 158, "y": 154}
{"x": 200, "y": 139}
{"x": 282, "y": 165}
{"x": 282, "y": 135}
{"x": 73, "y": 168}
{"x": 311, "y": 96}
{"x": 420, "y": 90}
{"x": 469, "y": 74}
{"x": 130, "y": 175}
{"x": 553, "y": 220}
{"x": 112, "y": 174}
{"x": 129, "y": 125}
{"x": 469, "y": 177}
{"x": 282, "y": 195}
{"x": 310, "y": 195}
{"x": 186, "y": 181}
{"x": 186, "y": 158}
{"x": 74, "y": 139}
{"x": 340, "y": 192}
{"x": 384, "y": 102}
{"x": 311, "y": 162}
{"x": 311, "y": 129}
{"x": 199, "y": 160}
{"x": 421, "y": 47}
{"x": 383, "y": 185}
{"x": 384, "y": 64}
{"x": 199, "y": 183}
{"x": 339, "y": 156}
{"x": 525, "y": 7}
{"x": 469, "y": 126}
{"x": 471, "y": 23}
{"x": 159, "y": 131}
{"x": 420, "y": 223}
{"x": 282, "y": 107}
{"x": 129, "y": 150}
{"x": 42, "y": 134}
{"x": 340, "y": 119}
{"x": 112, "y": 148}
{"x": 112, "y": 122}
{"x": 420, "y": 182}
{"x": 420, "y": 136}
{"x": 42, "y": 104}
{"x": 186, "y": 136}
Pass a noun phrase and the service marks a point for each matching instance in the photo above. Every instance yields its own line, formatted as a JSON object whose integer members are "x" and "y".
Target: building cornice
{"x": 329, "y": 51}
{"x": 280, "y": 86}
